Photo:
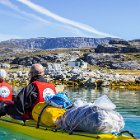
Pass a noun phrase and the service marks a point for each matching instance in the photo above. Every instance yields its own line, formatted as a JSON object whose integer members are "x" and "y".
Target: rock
{"x": 75, "y": 77}
{"x": 122, "y": 42}
{"x": 60, "y": 77}
{"x": 90, "y": 82}
{"x": 14, "y": 75}
{"x": 130, "y": 65}
{"x": 19, "y": 73}
{"x": 112, "y": 61}
{"x": 137, "y": 80}
{"x": 98, "y": 82}
{"x": 5, "y": 65}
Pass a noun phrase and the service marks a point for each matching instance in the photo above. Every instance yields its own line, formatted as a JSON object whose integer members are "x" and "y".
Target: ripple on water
{"x": 6, "y": 134}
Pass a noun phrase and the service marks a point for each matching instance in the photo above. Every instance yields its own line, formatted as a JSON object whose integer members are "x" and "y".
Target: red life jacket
{"x": 43, "y": 89}
{"x": 5, "y": 92}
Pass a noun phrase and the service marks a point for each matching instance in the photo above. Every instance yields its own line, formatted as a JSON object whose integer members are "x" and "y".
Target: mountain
{"x": 52, "y": 43}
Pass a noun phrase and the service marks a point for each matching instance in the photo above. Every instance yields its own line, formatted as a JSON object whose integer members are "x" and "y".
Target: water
{"x": 127, "y": 102}
{"x": 6, "y": 134}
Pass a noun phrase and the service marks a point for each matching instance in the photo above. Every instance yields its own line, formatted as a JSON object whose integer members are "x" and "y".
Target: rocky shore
{"x": 93, "y": 79}
{"x": 115, "y": 64}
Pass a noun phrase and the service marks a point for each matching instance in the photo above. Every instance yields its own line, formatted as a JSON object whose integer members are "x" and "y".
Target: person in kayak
{"x": 30, "y": 95}
{"x": 5, "y": 92}
{"x": 5, "y": 88}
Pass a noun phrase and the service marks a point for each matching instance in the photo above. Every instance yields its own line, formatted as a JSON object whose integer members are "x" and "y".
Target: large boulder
{"x": 137, "y": 80}
{"x": 5, "y": 65}
{"x": 130, "y": 65}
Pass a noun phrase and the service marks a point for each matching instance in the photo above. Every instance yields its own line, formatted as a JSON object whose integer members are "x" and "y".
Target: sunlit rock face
{"x": 52, "y": 43}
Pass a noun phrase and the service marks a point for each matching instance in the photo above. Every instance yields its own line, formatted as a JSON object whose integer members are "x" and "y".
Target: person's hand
{"x": 2, "y": 109}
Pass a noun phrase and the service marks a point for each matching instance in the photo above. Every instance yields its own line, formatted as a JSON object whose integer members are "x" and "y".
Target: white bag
{"x": 78, "y": 102}
{"x": 104, "y": 103}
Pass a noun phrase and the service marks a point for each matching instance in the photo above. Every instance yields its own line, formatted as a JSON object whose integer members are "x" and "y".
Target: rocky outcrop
{"x": 117, "y": 46}
{"x": 130, "y": 65}
{"x": 122, "y": 42}
{"x": 112, "y": 61}
{"x": 135, "y": 42}
{"x": 43, "y": 59}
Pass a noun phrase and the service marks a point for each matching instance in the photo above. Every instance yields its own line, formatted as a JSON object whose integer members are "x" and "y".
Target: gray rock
{"x": 131, "y": 65}
{"x": 90, "y": 82}
{"x": 75, "y": 77}
{"x": 137, "y": 80}
{"x": 5, "y": 65}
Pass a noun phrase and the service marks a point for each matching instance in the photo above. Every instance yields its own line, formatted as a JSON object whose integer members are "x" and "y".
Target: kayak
{"x": 42, "y": 134}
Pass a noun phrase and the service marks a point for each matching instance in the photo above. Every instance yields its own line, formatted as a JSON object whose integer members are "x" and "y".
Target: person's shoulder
{"x": 29, "y": 86}
{"x": 6, "y": 84}
{"x": 50, "y": 83}
{"x": 42, "y": 79}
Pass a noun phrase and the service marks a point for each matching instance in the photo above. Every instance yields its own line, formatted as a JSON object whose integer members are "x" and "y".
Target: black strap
{"x": 39, "y": 116}
{"x": 127, "y": 132}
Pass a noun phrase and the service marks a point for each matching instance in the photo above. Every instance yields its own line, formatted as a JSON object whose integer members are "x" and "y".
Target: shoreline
{"x": 92, "y": 79}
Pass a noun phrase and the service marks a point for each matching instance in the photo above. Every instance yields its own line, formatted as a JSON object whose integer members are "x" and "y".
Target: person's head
{"x": 36, "y": 70}
{"x": 2, "y": 75}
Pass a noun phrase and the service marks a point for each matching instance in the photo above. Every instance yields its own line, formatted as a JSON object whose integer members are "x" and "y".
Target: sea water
{"x": 6, "y": 134}
{"x": 126, "y": 101}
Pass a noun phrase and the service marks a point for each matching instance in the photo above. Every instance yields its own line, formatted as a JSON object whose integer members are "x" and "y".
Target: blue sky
{"x": 69, "y": 18}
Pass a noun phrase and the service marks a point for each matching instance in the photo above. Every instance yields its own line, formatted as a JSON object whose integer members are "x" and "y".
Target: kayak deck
{"x": 42, "y": 134}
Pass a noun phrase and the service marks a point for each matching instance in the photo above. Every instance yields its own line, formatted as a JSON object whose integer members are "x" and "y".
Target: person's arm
{"x": 24, "y": 101}
{"x": 14, "y": 94}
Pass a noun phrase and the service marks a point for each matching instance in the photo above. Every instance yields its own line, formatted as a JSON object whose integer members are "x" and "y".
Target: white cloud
{"x": 14, "y": 7}
{"x": 37, "y": 25}
{"x": 79, "y": 25}
{"x": 34, "y": 26}
{"x": 9, "y": 4}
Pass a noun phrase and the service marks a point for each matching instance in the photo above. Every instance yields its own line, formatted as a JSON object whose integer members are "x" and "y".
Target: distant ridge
{"x": 52, "y": 43}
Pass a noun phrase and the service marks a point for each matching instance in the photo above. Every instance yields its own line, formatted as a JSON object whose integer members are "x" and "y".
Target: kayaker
{"x": 30, "y": 95}
{"x": 5, "y": 91}
{"x": 5, "y": 88}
